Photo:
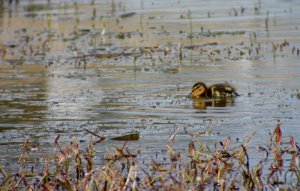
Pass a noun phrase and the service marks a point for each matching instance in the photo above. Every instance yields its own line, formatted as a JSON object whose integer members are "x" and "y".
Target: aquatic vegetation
{"x": 104, "y": 60}
{"x": 225, "y": 166}
{"x": 190, "y": 36}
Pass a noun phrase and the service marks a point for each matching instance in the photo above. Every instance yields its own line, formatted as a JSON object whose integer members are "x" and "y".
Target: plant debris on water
{"x": 120, "y": 72}
{"x": 226, "y": 166}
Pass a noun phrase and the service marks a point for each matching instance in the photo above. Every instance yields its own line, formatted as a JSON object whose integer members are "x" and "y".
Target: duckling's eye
{"x": 196, "y": 86}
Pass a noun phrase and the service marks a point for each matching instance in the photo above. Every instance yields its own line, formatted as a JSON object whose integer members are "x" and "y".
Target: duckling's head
{"x": 198, "y": 90}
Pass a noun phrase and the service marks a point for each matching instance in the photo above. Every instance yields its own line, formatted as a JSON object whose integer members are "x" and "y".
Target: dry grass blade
{"x": 207, "y": 168}
{"x": 2, "y": 171}
{"x": 294, "y": 146}
{"x": 203, "y": 133}
{"x": 278, "y": 135}
{"x": 173, "y": 155}
{"x": 267, "y": 153}
{"x": 192, "y": 150}
{"x": 101, "y": 138}
{"x": 58, "y": 146}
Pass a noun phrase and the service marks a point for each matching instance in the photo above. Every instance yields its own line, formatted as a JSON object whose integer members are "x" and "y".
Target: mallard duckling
{"x": 216, "y": 90}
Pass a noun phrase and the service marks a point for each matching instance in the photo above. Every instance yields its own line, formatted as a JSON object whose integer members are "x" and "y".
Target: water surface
{"x": 52, "y": 81}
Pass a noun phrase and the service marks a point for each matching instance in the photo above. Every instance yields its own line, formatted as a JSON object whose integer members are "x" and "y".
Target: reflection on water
{"x": 203, "y": 103}
{"x": 23, "y": 96}
{"x": 23, "y": 107}
{"x": 134, "y": 76}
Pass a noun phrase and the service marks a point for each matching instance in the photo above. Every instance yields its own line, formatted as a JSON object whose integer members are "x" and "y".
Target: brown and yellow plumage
{"x": 217, "y": 90}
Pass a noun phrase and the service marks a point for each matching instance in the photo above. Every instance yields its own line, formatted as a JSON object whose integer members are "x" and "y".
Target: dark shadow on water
{"x": 203, "y": 103}
{"x": 23, "y": 100}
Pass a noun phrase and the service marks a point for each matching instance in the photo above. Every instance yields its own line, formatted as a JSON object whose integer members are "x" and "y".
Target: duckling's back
{"x": 221, "y": 90}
